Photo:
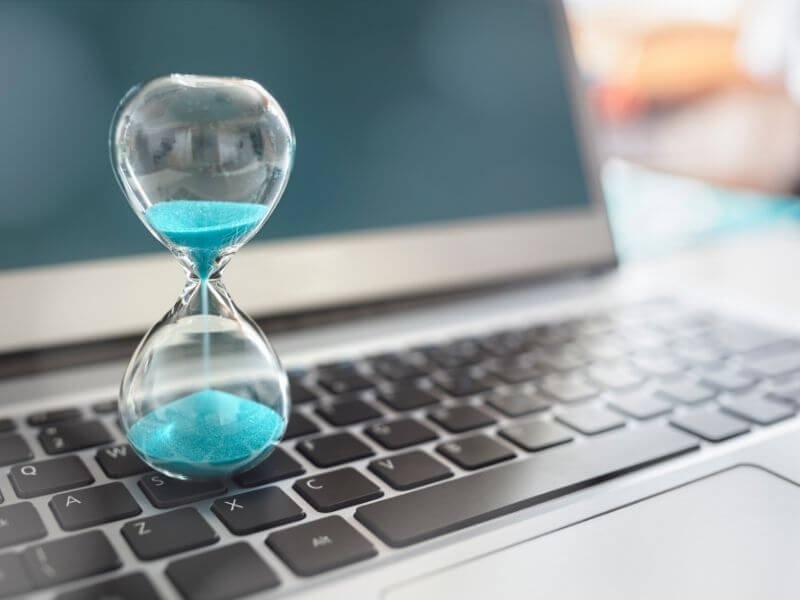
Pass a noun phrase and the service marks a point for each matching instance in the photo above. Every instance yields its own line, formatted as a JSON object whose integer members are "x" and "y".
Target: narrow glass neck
{"x": 206, "y": 296}
{"x": 202, "y": 264}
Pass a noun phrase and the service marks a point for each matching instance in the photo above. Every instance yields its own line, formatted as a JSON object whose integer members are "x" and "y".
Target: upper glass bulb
{"x": 203, "y": 161}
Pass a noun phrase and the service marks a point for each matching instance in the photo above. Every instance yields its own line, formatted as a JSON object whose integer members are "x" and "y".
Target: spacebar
{"x": 455, "y": 504}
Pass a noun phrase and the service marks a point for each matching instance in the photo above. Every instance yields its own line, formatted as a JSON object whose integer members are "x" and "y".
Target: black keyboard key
{"x": 278, "y": 465}
{"x": 728, "y": 381}
{"x": 342, "y": 379}
{"x": 20, "y": 523}
{"x": 641, "y": 406}
{"x": 299, "y": 425}
{"x": 165, "y": 492}
{"x": 452, "y": 505}
{"x": 568, "y": 387}
{"x": 409, "y": 470}
{"x": 70, "y": 558}
{"x": 590, "y": 420}
{"x": 454, "y": 355}
{"x": 407, "y": 397}
{"x": 517, "y": 404}
{"x": 320, "y": 546}
{"x": 258, "y": 510}
{"x": 58, "y": 439}
{"x": 341, "y": 412}
{"x": 13, "y": 449}
{"x": 48, "y": 417}
{"x": 396, "y": 367}
{"x": 536, "y": 435}
{"x": 505, "y": 343}
{"x": 337, "y": 489}
{"x": 299, "y": 393}
{"x": 756, "y": 408}
{"x": 135, "y": 586}
{"x": 94, "y": 505}
{"x": 400, "y": 433}
{"x": 462, "y": 382}
{"x": 106, "y": 407}
{"x": 458, "y": 419}
{"x": 120, "y": 461}
{"x": 7, "y": 425}
{"x": 518, "y": 369}
{"x": 237, "y": 569}
{"x": 49, "y": 476}
{"x": 168, "y": 533}
{"x": 475, "y": 452}
{"x": 334, "y": 449}
{"x": 550, "y": 334}
{"x": 686, "y": 391}
{"x": 713, "y": 426}
{"x": 13, "y": 578}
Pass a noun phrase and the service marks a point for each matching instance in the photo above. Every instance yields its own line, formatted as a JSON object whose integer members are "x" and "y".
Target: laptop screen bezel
{"x": 82, "y": 301}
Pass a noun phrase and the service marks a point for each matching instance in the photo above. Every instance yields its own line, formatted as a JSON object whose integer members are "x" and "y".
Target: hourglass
{"x": 203, "y": 162}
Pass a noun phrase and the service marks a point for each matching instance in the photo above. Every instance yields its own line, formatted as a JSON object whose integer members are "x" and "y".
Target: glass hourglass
{"x": 203, "y": 162}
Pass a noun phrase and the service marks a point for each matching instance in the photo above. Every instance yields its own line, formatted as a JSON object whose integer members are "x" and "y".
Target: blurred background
{"x": 696, "y": 107}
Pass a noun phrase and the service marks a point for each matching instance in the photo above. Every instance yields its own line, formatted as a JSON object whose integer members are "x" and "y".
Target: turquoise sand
{"x": 205, "y": 227}
{"x": 206, "y": 434}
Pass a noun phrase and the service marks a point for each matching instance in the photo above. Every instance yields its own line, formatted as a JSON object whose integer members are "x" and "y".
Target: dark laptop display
{"x": 405, "y": 112}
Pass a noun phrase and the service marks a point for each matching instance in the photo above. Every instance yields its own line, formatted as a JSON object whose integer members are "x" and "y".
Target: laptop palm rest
{"x": 732, "y": 535}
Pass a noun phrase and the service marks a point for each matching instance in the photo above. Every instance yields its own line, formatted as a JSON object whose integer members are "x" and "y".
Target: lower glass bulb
{"x": 204, "y": 395}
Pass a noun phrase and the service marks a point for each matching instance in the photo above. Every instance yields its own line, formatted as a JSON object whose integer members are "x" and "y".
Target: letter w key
{"x": 120, "y": 461}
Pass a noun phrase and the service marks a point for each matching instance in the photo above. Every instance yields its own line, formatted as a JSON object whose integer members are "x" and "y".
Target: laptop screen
{"x": 406, "y": 112}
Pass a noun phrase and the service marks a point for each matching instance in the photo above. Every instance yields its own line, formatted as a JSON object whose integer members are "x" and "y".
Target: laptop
{"x": 483, "y": 404}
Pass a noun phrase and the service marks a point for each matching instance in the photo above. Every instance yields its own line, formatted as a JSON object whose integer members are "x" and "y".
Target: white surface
{"x": 680, "y": 544}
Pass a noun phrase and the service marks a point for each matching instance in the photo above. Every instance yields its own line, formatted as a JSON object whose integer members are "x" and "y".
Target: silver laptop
{"x": 483, "y": 405}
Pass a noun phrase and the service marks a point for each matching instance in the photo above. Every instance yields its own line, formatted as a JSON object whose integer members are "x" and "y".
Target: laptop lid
{"x": 440, "y": 145}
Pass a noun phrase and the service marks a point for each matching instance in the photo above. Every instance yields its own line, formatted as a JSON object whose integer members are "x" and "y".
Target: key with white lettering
{"x": 409, "y": 470}
{"x": 68, "y": 437}
{"x": 168, "y": 533}
{"x": 70, "y": 558}
{"x": 334, "y": 449}
{"x": 337, "y": 489}
{"x": 94, "y": 505}
{"x": 165, "y": 492}
{"x": 20, "y": 523}
{"x": 320, "y": 546}
{"x": 120, "y": 461}
{"x": 49, "y": 476}
{"x": 258, "y": 510}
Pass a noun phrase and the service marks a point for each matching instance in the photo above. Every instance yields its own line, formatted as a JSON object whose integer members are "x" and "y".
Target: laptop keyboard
{"x": 401, "y": 447}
